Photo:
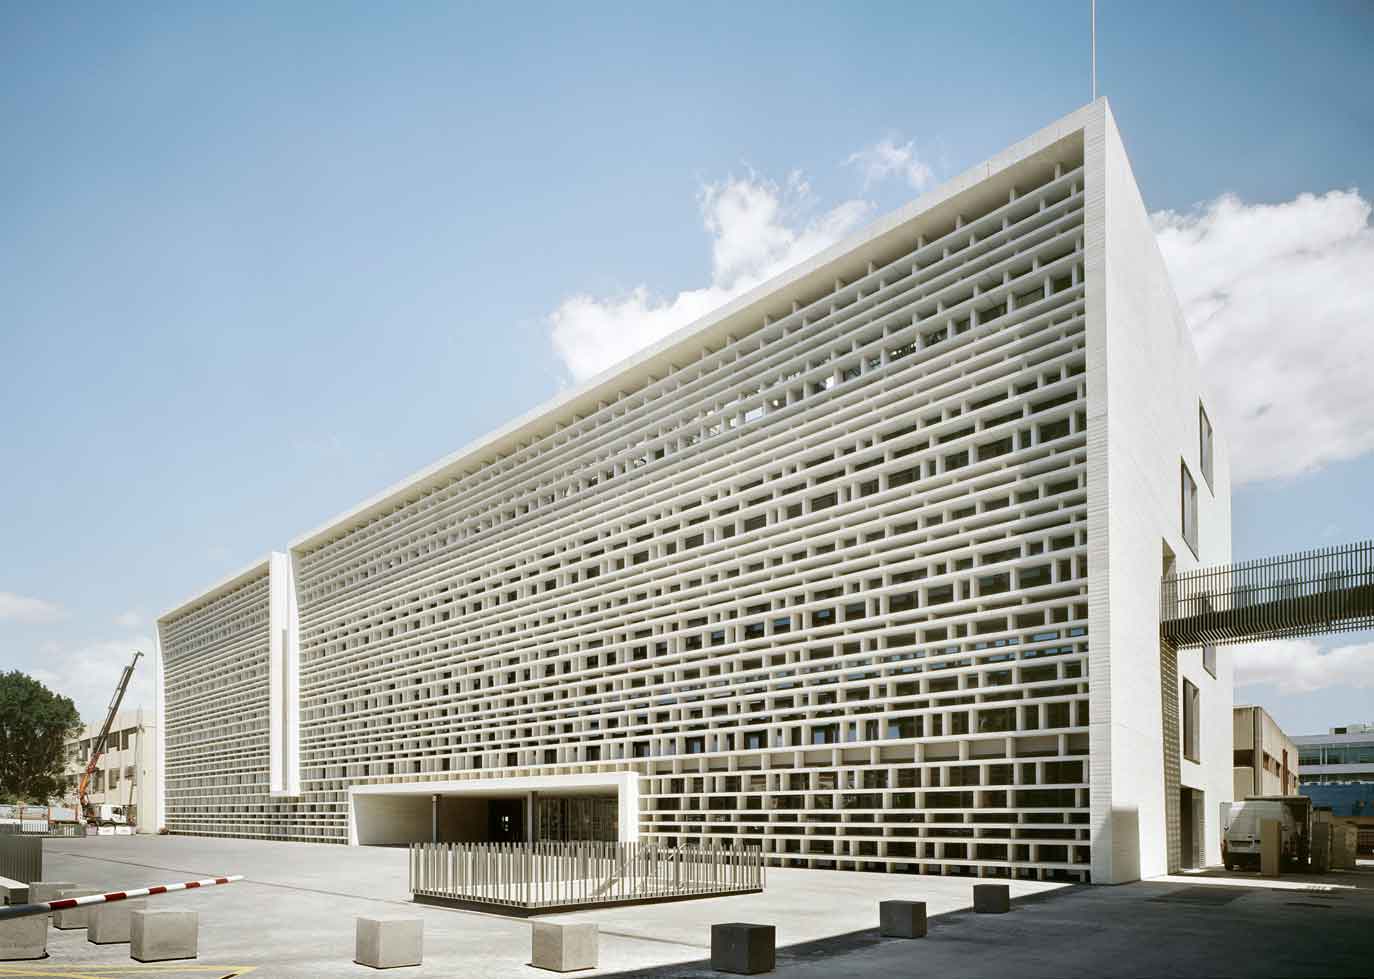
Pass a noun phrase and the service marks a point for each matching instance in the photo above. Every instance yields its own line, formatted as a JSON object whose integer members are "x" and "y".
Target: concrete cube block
{"x": 388, "y": 943}
{"x": 42, "y": 891}
{"x": 111, "y": 922}
{"x": 13, "y": 892}
{"x": 742, "y": 948}
{"x": 991, "y": 898}
{"x": 902, "y": 919}
{"x": 163, "y": 934}
{"x": 24, "y": 938}
{"x": 73, "y": 918}
{"x": 563, "y": 948}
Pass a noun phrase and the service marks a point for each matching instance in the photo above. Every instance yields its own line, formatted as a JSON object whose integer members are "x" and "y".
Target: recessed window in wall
{"x": 1189, "y": 506}
{"x": 1205, "y": 443}
{"x": 1192, "y": 720}
{"x": 1209, "y": 659}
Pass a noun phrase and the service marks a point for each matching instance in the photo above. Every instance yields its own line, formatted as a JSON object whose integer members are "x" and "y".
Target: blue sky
{"x": 261, "y": 261}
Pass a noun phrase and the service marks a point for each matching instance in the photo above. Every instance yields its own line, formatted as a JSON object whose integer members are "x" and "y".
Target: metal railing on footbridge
{"x": 1304, "y": 594}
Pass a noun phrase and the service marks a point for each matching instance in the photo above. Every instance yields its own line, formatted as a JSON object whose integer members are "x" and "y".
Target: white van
{"x": 1240, "y": 832}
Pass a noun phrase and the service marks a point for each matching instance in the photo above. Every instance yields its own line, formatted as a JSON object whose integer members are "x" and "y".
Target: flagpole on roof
{"x": 1094, "y": 47}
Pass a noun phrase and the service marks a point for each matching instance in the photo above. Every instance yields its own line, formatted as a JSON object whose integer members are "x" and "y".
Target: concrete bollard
{"x": 70, "y": 919}
{"x": 24, "y": 938}
{"x": 991, "y": 898}
{"x": 1271, "y": 847}
{"x": 111, "y": 922}
{"x": 1321, "y": 846}
{"x": 742, "y": 948}
{"x": 13, "y": 891}
{"x": 1344, "y": 846}
{"x": 162, "y": 935}
{"x": 563, "y": 948}
{"x": 902, "y": 919}
{"x": 42, "y": 891}
{"x": 388, "y": 943}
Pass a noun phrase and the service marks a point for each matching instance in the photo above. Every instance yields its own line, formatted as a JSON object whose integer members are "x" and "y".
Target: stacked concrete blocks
{"x": 111, "y": 923}
{"x": 563, "y": 947}
{"x": 742, "y": 948}
{"x": 163, "y": 935}
{"x": 42, "y": 891}
{"x": 70, "y": 919}
{"x": 388, "y": 943}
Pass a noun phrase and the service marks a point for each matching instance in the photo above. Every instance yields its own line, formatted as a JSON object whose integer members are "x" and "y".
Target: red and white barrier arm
{"x": 63, "y": 903}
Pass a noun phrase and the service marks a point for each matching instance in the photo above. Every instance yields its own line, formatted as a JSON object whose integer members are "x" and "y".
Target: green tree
{"x": 34, "y": 723}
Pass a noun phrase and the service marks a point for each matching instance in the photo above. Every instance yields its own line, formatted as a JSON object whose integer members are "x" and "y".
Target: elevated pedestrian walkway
{"x": 1309, "y": 593}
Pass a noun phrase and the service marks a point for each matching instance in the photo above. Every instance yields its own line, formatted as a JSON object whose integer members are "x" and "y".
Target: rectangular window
{"x": 1209, "y": 659}
{"x": 1205, "y": 443}
{"x": 1192, "y": 719}
{"x": 1189, "y": 507}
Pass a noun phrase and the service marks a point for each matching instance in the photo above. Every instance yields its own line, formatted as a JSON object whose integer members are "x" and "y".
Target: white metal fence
{"x": 547, "y": 875}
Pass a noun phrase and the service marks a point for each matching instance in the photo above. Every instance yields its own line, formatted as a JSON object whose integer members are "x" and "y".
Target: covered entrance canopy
{"x": 497, "y": 810}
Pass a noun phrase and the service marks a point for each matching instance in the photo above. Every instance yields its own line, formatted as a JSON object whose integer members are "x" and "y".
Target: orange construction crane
{"x": 102, "y": 739}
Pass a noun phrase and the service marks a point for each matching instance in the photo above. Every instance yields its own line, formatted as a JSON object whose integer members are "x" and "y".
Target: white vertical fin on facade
{"x": 284, "y": 629}
{"x": 159, "y": 737}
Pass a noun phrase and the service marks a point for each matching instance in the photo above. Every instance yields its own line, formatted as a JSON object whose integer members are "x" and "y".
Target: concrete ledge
{"x": 73, "y": 918}
{"x": 743, "y": 949}
{"x": 388, "y": 943}
{"x": 991, "y": 898}
{"x": 110, "y": 923}
{"x": 902, "y": 919}
{"x": 13, "y": 891}
{"x": 24, "y": 938}
{"x": 563, "y": 948}
{"x": 163, "y": 935}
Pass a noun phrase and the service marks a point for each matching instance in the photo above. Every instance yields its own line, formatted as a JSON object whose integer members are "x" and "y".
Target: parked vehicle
{"x": 106, "y": 814}
{"x": 1240, "y": 830}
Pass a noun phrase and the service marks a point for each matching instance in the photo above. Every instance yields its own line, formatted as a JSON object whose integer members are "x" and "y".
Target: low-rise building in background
{"x": 1338, "y": 772}
{"x": 126, "y": 777}
{"x": 1266, "y": 760}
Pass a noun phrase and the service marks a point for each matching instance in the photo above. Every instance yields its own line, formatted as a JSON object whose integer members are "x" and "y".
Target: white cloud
{"x": 758, "y": 229}
{"x": 129, "y": 619}
{"x": 1301, "y": 666}
{"x": 29, "y": 611}
{"x": 886, "y": 159}
{"x": 1280, "y": 299}
{"x": 88, "y": 673}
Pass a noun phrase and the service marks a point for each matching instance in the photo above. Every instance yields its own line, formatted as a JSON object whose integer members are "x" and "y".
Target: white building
{"x": 862, "y": 568}
{"x": 126, "y": 775}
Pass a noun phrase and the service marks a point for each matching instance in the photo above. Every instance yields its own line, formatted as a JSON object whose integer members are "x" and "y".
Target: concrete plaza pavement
{"x": 294, "y": 913}
{"x": 293, "y": 916}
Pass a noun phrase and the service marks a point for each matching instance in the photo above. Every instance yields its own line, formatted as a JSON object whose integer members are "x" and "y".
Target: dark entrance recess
{"x": 506, "y": 821}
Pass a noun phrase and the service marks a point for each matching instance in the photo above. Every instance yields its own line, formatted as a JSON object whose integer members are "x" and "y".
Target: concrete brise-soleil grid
{"x": 823, "y": 588}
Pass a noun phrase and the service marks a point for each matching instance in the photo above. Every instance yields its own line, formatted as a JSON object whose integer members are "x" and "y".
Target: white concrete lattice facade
{"x": 834, "y": 571}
